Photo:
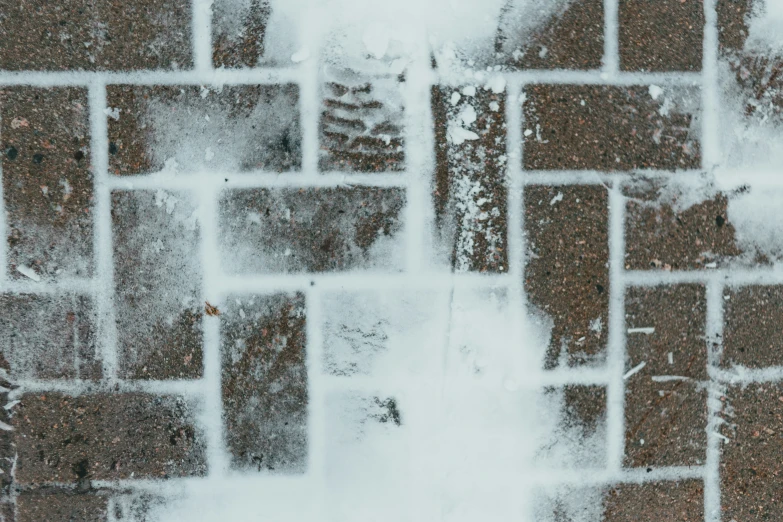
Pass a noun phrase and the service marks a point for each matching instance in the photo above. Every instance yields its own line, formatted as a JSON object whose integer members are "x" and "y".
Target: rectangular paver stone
{"x": 61, "y": 505}
{"x": 665, "y": 401}
{"x": 95, "y": 35}
{"x": 199, "y": 128}
{"x": 751, "y": 468}
{"x": 682, "y": 501}
{"x": 238, "y": 32}
{"x": 579, "y": 437}
{"x": 566, "y": 273}
{"x": 610, "y": 128}
{"x": 572, "y": 38}
{"x": 64, "y": 439}
{"x": 157, "y": 280}
{"x": 264, "y": 382}
{"x": 48, "y": 336}
{"x": 660, "y": 235}
{"x": 470, "y": 176}
{"x": 47, "y": 181}
{"x": 753, "y": 335}
{"x": 661, "y": 35}
{"x": 361, "y": 127}
{"x": 314, "y": 229}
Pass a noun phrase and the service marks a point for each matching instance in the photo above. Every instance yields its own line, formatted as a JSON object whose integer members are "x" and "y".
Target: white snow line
{"x": 419, "y": 160}
{"x": 3, "y": 224}
{"x": 272, "y": 75}
{"x": 201, "y": 34}
{"x": 616, "y": 342}
{"x": 515, "y": 178}
{"x": 594, "y": 77}
{"x": 728, "y": 276}
{"x": 742, "y": 375}
{"x": 217, "y": 180}
{"x": 633, "y": 371}
{"x": 64, "y": 286}
{"x": 316, "y": 401}
{"x": 102, "y": 231}
{"x": 188, "y": 388}
{"x": 310, "y": 115}
{"x": 611, "y": 61}
{"x": 646, "y": 330}
{"x": 355, "y": 281}
{"x": 595, "y": 177}
{"x": 259, "y": 75}
{"x": 669, "y": 473}
{"x": 212, "y": 418}
{"x": 601, "y": 477}
{"x": 710, "y": 138}
{"x": 714, "y": 334}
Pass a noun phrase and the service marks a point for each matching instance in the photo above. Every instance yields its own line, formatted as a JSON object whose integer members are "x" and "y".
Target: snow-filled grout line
{"x": 201, "y": 34}
{"x": 710, "y": 138}
{"x": 516, "y": 180}
{"x": 714, "y": 298}
{"x": 271, "y": 75}
{"x": 212, "y": 418}
{"x": 310, "y": 115}
{"x": 616, "y": 342}
{"x": 316, "y": 431}
{"x": 245, "y": 180}
{"x": 188, "y": 388}
{"x": 356, "y": 281}
{"x": 419, "y": 158}
{"x": 595, "y": 177}
{"x": 104, "y": 266}
{"x": 3, "y": 222}
{"x": 254, "y": 76}
{"x": 611, "y": 60}
{"x": 729, "y": 276}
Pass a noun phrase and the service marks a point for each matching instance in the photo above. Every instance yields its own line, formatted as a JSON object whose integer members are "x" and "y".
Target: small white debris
{"x": 596, "y": 325}
{"x": 646, "y": 330}
{"x": 543, "y": 52}
{"x": 469, "y": 90}
{"x": 11, "y": 405}
{"x": 113, "y": 113}
{"x": 494, "y": 106}
{"x": 28, "y": 272}
{"x": 528, "y": 132}
{"x": 468, "y": 115}
{"x": 641, "y": 441}
{"x": 455, "y": 98}
{"x": 300, "y": 55}
{"x": 726, "y": 297}
{"x": 517, "y": 55}
{"x": 457, "y": 135}
{"x": 582, "y": 103}
{"x": 671, "y": 358}
{"x": 5, "y": 427}
{"x": 655, "y": 91}
{"x": 711, "y": 265}
{"x": 557, "y": 198}
{"x": 204, "y": 92}
{"x": 669, "y": 378}
{"x": 636, "y": 369}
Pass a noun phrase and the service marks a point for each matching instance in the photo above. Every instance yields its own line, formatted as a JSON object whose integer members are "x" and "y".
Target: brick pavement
{"x": 208, "y": 347}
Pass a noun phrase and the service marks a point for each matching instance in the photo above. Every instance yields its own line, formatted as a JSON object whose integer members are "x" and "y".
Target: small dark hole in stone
{"x": 12, "y": 153}
{"x": 112, "y": 148}
{"x": 78, "y": 155}
{"x": 600, "y": 289}
{"x": 720, "y": 221}
{"x": 38, "y": 158}
{"x": 649, "y": 470}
